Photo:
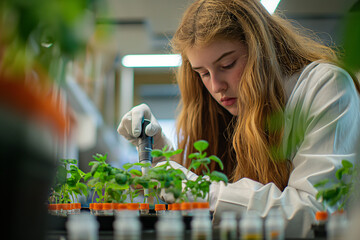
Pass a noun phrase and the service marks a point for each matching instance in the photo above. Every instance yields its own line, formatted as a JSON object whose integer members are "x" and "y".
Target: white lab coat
{"x": 321, "y": 129}
{"x": 322, "y": 117}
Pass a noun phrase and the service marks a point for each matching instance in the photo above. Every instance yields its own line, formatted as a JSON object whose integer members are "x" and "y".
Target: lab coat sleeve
{"x": 321, "y": 129}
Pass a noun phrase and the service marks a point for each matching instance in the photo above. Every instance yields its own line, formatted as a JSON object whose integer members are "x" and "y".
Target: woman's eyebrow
{"x": 217, "y": 60}
{"x": 223, "y": 55}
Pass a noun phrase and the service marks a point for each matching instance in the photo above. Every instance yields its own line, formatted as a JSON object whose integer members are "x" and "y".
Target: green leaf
{"x": 194, "y": 165}
{"x": 61, "y": 175}
{"x": 82, "y": 187}
{"x": 319, "y": 194}
{"x": 121, "y": 178}
{"x": 178, "y": 151}
{"x": 126, "y": 166}
{"x": 218, "y": 176}
{"x": 72, "y": 161}
{"x": 194, "y": 155}
{"x": 71, "y": 182}
{"x": 205, "y": 161}
{"x": 201, "y": 145}
{"x": 346, "y": 164}
{"x": 135, "y": 172}
{"x": 144, "y": 165}
{"x": 217, "y": 160}
{"x": 339, "y": 173}
{"x": 156, "y": 153}
{"x": 94, "y": 168}
{"x": 331, "y": 193}
{"x": 321, "y": 183}
{"x": 87, "y": 176}
{"x": 168, "y": 154}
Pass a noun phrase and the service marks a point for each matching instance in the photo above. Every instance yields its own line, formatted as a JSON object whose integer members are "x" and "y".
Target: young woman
{"x": 272, "y": 103}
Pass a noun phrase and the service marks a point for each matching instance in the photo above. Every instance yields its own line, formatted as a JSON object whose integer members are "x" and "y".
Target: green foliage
{"x": 69, "y": 182}
{"x": 165, "y": 176}
{"x": 113, "y": 184}
{"x": 200, "y": 187}
{"x": 331, "y": 192}
{"x": 174, "y": 181}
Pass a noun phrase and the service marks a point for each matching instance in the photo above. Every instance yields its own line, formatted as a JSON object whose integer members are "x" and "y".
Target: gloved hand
{"x": 213, "y": 191}
{"x": 130, "y": 127}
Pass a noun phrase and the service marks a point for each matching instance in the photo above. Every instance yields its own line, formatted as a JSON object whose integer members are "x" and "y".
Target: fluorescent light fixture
{"x": 270, "y": 5}
{"x": 151, "y": 60}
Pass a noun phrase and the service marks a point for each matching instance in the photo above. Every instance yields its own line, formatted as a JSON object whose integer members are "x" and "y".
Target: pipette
{"x": 144, "y": 149}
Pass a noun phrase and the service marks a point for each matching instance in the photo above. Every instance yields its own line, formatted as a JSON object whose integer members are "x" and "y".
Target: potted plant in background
{"x": 68, "y": 186}
{"x": 334, "y": 193}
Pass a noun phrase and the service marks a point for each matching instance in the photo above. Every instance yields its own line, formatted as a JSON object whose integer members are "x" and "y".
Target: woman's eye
{"x": 204, "y": 74}
{"x": 230, "y": 65}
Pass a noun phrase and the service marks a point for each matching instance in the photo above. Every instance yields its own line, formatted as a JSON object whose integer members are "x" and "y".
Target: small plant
{"x": 134, "y": 178}
{"x": 165, "y": 176}
{"x": 200, "y": 187}
{"x": 340, "y": 191}
{"x": 108, "y": 183}
{"x": 68, "y": 187}
{"x": 172, "y": 179}
{"x": 113, "y": 184}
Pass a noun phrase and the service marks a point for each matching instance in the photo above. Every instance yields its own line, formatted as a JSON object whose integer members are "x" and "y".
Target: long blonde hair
{"x": 246, "y": 143}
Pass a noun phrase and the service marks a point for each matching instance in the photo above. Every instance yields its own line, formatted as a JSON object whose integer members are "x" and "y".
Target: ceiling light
{"x": 270, "y": 5}
{"x": 151, "y": 60}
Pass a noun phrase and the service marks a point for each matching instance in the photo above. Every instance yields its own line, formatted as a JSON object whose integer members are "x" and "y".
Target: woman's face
{"x": 220, "y": 66}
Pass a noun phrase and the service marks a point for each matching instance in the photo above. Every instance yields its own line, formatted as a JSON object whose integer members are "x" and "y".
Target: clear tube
{"x": 228, "y": 226}
{"x": 275, "y": 225}
{"x": 337, "y": 226}
{"x": 83, "y": 226}
{"x": 201, "y": 227}
{"x": 170, "y": 226}
{"x": 251, "y": 226}
{"x": 127, "y": 225}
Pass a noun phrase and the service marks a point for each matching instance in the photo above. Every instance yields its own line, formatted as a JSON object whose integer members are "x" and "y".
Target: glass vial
{"x": 201, "y": 227}
{"x": 170, "y": 226}
{"x": 337, "y": 226}
{"x": 127, "y": 225}
{"x": 228, "y": 226}
{"x": 251, "y": 226}
{"x": 275, "y": 225}
{"x": 82, "y": 226}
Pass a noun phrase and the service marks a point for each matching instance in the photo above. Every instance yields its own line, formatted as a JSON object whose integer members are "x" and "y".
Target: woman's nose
{"x": 218, "y": 83}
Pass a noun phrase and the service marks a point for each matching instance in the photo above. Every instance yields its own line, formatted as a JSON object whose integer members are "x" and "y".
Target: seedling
{"x": 200, "y": 187}
{"x": 68, "y": 183}
{"x": 135, "y": 178}
{"x": 165, "y": 176}
{"x": 108, "y": 183}
{"x": 172, "y": 179}
{"x": 340, "y": 191}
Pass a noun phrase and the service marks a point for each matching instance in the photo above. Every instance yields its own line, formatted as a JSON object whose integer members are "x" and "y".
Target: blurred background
{"x": 145, "y": 27}
{"x": 99, "y": 89}
{"x": 75, "y": 50}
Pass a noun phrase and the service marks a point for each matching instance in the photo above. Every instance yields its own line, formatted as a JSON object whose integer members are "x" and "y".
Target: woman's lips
{"x": 228, "y": 101}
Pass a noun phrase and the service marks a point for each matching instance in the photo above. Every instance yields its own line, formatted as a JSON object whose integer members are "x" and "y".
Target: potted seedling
{"x": 168, "y": 179}
{"x": 171, "y": 179}
{"x": 200, "y": 187}
{"x": 108, "y": 182}
{"x": 334, "y": 193}
{"x": 68, "y": 184}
